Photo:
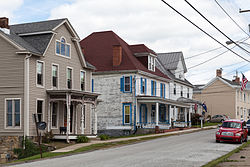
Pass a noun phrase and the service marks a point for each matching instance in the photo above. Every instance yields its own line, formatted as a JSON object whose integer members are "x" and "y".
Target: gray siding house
{"x": 44, "y": 72}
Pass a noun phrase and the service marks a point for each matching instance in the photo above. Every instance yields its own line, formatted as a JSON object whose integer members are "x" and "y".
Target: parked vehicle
{"x": 218, "y": 118}
{"x": 232, "y": 131}
{"x": 248, "y": 126}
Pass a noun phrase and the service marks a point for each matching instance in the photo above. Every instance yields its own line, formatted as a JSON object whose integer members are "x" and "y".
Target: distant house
{"x": 44, "y": 72}
{"x": 135, "y": 86}
{"x": 223, "y": 96}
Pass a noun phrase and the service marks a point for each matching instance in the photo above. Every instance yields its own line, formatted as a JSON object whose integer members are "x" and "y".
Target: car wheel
{"x": 246, "y": 138}
{"x": 241, "y": 140}
{"x": 217, "y": 141}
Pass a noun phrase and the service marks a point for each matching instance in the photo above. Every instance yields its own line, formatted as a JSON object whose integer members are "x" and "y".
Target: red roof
{"x": 98, "y": 50}
{"x": 141, "y": 48}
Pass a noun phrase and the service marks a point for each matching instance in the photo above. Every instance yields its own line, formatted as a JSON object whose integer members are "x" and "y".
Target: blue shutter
{"x": 130, "y": 84}
{"x": 92, "y": 85}
{"x": 145, "y": 86}
{"x": 122, "y": 84}
{"x": 164, "y": 86}
{"x": 141, "y": 85}
{"x": 161, "y": 91}
{"x": 152, "y": 92}
{"x": 155, "y": 88}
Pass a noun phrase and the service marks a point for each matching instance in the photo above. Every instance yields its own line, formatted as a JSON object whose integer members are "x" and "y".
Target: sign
{"x": 201, "y": 118}
{"x": 41, "y": 125}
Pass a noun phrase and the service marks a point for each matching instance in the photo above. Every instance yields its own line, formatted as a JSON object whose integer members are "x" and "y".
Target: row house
{"x": 223, "y": 96}
{"x": 135, "y": 91}
{"x": 44, "y": 72}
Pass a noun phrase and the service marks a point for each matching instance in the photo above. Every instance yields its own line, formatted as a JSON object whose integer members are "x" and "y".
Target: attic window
{"x": 63, "y": 48}
{"x": 151, "y": 63}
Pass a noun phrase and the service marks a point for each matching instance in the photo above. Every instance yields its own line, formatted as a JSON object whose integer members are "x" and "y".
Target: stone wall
{"x": 7, "y": 144}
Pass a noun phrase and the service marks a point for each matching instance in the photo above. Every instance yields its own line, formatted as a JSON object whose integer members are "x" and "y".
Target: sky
{"x": 154, "y": 24}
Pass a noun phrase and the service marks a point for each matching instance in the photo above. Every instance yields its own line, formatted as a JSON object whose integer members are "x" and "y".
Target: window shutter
{"x": 152, "y": 92}
{"x": 155, "y": 88}
{"x": 145, "y": 86}
{"x": 164, "y": 88}
{"x": 141, "y": 85}
{"x": 92, "y": 85}
{"x": 161, "y": 91}
{"x": 122, "y": 84}
{"x": 130, "y": 84}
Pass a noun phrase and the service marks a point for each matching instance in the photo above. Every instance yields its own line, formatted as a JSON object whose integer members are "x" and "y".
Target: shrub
{"x": 195, "y": 119}
{"x": 30, "y": 149}
{"x": 82, "y": 139}
{"x": 47, "y": 137}
{"x": 104, "y": 137}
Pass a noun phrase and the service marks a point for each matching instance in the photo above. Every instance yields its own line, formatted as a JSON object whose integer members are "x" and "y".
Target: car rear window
{"x": 231, "y": 125}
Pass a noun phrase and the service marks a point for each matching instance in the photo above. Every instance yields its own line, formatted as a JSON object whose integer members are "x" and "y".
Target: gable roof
{"x": 98, "y": 50}
{"x": 225, "y": 81}
{"x": 170, "y": 60}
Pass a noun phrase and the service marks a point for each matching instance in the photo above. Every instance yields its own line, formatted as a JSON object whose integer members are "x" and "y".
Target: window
{"x": 181, "y": 91}
{"x": 238, "y": 112}
{"x": 55, "y": 76}
{"x": 187, "y": 92}
{"x": 127, "y": 84}
{"x": 13, "y": 111}
{"x": 174, "y": 89}
{"x": 82, "y": 75}
{"x": 39, "y": 110}
{"x": 151, "y": 63}
{"x": 127, "y": 113}
{"x": 143, "y": 85}
{"x": 153, "y": 88}
{"x": 39, "y": 72}
{"x": 54, "y": 114}
{"x": 69, "y": 78}
{"x": 63, "y": 48}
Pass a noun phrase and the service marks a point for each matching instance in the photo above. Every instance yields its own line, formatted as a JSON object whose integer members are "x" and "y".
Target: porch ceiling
{"x": 150, "y": 99}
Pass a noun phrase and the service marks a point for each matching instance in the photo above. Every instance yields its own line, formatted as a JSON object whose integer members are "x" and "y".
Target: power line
{"x": 215, "y": 26}
{"x": 204, "y": 31}
{"x": 231, "y": 17}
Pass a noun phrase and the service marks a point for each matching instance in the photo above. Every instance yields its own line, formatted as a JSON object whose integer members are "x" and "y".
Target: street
{"x": 193, "y": 149}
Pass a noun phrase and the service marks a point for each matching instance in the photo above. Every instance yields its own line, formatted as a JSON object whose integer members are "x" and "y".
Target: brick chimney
{"x": 117, "y": 55}
{"x": 219, "y": 72}
{"x": 4, "y": 25}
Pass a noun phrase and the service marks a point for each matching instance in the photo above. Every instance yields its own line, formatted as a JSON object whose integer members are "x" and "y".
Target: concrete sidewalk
{"x": 76, "y": 146}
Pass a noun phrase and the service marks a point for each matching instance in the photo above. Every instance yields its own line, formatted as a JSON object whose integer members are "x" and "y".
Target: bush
{"x": 195, "y": 119}
{"x": 82, "y": 139}
{"x": 104, "y": 137}
{"x": 30, "y": 149}
{"x": 47, "y": 137}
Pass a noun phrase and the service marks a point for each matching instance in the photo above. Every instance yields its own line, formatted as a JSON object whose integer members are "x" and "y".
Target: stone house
{"x": 135, "y": 92}
{"x": 223, "y": 96}
{"x": 44, "y": 72}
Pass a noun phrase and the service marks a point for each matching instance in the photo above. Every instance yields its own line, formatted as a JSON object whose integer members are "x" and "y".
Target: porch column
{"x": 189, "y": 116}
{"x": 157, "y": 114}
{"x": 68, "y": 102}
{"x": 185, "y": 113}
{"x": 175, "y": 113}
{"x": 82, "y": 119}
{"x": 49, "y": 115}
{"x": 75, "y": 109}
{"x": 95, "y": 120}
{"x": 170, "y": 114}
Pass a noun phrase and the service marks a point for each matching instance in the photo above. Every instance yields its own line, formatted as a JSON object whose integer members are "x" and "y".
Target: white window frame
{"x": 43, "y": 108}
{"x": 57, "y": 117}
{"x": 182, "y": 92}
{"x": 125, "y": 114}
{"x": 84, "y": 81}
{"x": 65, "y": 48}
{"x": 175, "y": 89}
{"x": 72, "y": 78}
{"x": 129, "y": 84}
{"x": 54, "y": 64}
{"x": 5, "y": 114}
{"x": 43, "y": 78}
{"x": 144, "y": 81}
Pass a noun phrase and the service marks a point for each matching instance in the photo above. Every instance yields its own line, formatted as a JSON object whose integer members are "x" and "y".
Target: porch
{"x": 71, "y": 113}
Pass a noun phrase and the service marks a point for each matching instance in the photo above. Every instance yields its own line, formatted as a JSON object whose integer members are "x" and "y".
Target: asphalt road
{"x": 193, "y": 149}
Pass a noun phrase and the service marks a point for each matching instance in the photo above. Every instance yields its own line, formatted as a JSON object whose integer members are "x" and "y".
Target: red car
{"x": 232, "y": 131}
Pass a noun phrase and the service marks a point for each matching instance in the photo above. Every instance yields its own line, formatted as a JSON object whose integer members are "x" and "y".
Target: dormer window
{"x": 151, "y": 63}
{"x": 63, "y": 48}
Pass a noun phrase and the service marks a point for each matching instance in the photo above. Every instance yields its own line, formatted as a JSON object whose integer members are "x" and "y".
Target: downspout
{"x": 26, "y": 96}
{"x": 135, "y": 102}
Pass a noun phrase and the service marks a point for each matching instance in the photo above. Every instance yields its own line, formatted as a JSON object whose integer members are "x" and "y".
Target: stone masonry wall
{"x": 7, "y": 144}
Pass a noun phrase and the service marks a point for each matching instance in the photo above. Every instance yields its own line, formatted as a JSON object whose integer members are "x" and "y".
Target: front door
{"x": 71, "y": 117}
{"x": 143, "y": 113}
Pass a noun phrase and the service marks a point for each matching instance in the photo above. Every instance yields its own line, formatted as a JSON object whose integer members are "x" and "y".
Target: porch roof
{"x": 153, "y": 99}
{"x": 72, "y": 92}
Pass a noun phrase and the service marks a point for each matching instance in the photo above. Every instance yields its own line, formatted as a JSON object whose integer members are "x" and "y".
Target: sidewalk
{"x": 76, "y": 146}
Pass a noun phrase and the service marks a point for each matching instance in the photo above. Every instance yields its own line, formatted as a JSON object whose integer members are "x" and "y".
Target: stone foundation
{"x": 115, "y": 132}
{"x": 7, "y": 144}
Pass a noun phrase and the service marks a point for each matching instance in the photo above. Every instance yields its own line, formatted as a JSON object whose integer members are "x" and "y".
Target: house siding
{"x": 12, "y": 83}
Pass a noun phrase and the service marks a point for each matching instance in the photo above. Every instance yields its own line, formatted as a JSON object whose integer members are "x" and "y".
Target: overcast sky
{"x": 156, "y": 25}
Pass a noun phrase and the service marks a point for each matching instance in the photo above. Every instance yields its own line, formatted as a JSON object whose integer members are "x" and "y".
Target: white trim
{"x": 65, "y": 48}
{"x": 49, "y": 43}
{"x": 43, "y": 108}
{"x": 218, "y": 78}
{"x": 57, "y": 116}
{"x": 129, "y": 84}
{"x": 124, "y": 114}
{"x": 13, "y": 113}
{"x": 36, "y": 33}
{"x": 43, "y": 79}
{"x": 54, "y": 64}
{"x": 69, "y": 26}
{"x": 84, "y": 80}
{"x": 72, "y": 78}
{"x": 26, "y": 95}
{"x": 11, "y": 41}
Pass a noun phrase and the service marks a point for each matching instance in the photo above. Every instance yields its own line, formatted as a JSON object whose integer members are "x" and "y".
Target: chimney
{"x": 237, "y": 79}
{"x": 219, "y": 72}
{"x": 4, "y": 25}
{"x": 117, "y": 55}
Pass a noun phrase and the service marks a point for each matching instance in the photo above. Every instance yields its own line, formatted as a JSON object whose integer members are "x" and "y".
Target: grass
{"x": 206, "y": 124}
{"x": 224, "y": 158}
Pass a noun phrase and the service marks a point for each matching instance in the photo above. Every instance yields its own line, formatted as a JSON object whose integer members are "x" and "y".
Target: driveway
{"x": 193, "y": 149}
